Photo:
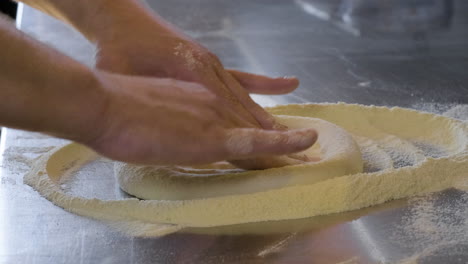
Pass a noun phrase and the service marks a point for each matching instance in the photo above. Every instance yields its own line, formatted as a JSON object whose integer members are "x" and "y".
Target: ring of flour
{"x": 380, "y": 132}
{"x": 338, "y": 152}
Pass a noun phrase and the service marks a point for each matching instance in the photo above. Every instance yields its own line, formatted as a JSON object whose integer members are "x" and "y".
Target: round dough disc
{"x": 337, "y": 152}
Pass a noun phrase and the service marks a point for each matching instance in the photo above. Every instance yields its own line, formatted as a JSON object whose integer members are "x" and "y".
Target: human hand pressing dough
{"x": 132, "y": 40}
{"x": 165, "y": 121}
{"x": 168, "y": 53}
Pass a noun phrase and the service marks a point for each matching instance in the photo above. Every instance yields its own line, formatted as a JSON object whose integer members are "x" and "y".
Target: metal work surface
{"x": 393, "y": 53}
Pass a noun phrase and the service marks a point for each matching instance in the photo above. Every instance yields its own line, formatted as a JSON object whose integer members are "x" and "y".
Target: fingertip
{"x": 261, "y": 84}
{"x": 302, "y": 138}
{"x": 285, "y": 142}
{"x": 284, "y": 85}
{"x": 247, "y": 143}
{"x": 293, "y": 81}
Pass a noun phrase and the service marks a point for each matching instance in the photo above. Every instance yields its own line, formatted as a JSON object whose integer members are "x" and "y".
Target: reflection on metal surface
{"x": 365, "y": 238}
{"x": 277, "y": 246}
{"x": 19, "y": 15}
{"x": 414, "y": 17}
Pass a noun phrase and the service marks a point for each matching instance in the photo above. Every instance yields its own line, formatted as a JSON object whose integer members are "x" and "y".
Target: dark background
{"x": 9, "y": 8}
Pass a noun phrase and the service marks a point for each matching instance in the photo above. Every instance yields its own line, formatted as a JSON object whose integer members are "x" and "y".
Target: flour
{"x": 458, "y": 112}
{"x": 395, "y": 167}
{"x": 338, "y": 155}
{"x": 188, "y": 54}
{"x": 453, "y": 253}
{"x": 23, "y": 157}
{"x": 435, "y": 227}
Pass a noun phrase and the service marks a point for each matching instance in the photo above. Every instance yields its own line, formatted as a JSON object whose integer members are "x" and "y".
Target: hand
{"x": 143, "y": 50}
{"x": 133, "y": 40}
{"x": 165, "y": 121}
{"x": 167, "y": 53}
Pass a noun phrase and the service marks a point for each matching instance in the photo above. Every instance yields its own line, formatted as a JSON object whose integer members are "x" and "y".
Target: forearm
{"x": 99, "y": 20}
{"x": 43, "y": 90}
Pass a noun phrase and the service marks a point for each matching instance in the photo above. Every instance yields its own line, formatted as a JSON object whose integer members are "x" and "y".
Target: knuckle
{"x": 210, "y": 58}
{"x": 216, "y": 60}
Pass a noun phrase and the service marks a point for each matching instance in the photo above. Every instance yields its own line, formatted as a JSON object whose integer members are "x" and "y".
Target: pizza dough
{"x": 337, "y": 152}
{"x": 404, "y": 152}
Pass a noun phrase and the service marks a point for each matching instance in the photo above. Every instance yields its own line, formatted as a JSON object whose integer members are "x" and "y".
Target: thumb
{"x": 243, "y": 143}
{"x": 260, "y": 84}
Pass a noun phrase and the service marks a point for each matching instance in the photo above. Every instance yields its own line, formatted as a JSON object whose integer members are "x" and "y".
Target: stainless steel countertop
{"x": 396, "y": 53}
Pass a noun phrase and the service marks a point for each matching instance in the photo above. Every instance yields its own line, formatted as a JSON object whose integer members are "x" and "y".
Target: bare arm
{"x": 99, "y": 20}
{"x": 132, "y": 39}
{"x": 43, "y": 90}
{"x": 128, "y": 118}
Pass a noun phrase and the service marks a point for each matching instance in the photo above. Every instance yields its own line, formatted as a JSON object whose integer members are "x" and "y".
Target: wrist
{"x": 80, "y": 107}
{"x": 45, "y": 91}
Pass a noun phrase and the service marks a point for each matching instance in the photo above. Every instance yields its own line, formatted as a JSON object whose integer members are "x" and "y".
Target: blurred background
{"x": 8, "y": 8}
